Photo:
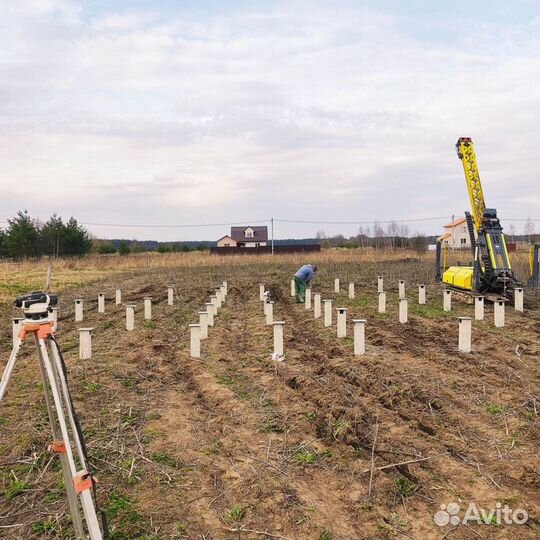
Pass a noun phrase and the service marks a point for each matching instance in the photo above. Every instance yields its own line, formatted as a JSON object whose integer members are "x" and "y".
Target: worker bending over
{"x": 302, "y": 279}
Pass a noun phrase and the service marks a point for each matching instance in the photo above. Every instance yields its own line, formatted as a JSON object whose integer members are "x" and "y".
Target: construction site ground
{"x": 324, "y": 445}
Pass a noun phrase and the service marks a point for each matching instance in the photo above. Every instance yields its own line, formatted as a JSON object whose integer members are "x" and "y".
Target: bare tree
{"x": 393, "y": 231}
{"x": 323, "y": 240}
{"x": 378, "y": 234}
{"x": 419, "y": 243}
{"x": 512, "y": 232}
{"x": 403, "y": 234}
{"x": 529, "y": 228}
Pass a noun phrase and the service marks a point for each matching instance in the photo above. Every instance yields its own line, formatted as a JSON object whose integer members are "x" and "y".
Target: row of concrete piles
{"x": 85, "y": 334}
{"x": 199, "y": 331}
{"x": 268, "y": 311}
{"x": 465, "y": 324}
{"x": 324, "y": 307}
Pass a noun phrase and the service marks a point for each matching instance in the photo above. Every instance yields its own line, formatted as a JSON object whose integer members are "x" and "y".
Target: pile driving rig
{"x": 491, "y": 272}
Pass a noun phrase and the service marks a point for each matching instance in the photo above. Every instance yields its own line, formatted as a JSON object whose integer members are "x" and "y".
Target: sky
{"x": 167, "y": 113}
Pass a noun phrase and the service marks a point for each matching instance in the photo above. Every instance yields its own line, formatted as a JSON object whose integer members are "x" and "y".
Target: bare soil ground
{"x": 323, "y": 446}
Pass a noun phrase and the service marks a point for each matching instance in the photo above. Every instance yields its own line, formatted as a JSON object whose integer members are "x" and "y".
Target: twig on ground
{"x": 373, "y": 458}
{"x": 266, "y": 533}
{"x": 400, "y": 463}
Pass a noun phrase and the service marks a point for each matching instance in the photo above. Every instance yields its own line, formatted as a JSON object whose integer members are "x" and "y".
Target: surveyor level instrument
{"x": 491, "y": 270}
{"x": 68, "y": 441}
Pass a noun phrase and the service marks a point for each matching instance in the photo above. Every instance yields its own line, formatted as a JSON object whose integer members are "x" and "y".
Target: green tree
{"x": 76, "y": 239}
{"x": 2, "y": 243}
{"x": 123, "y": 248}
{"x": 52, "y": 237}
{"x": 21, "y": 238}
{"x": 103, "y": 247}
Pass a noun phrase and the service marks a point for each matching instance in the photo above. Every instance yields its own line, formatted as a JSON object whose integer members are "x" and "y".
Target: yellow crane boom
{"x": 465, "y": 151}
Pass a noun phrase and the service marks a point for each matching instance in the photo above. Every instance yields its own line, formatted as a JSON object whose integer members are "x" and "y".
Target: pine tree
{"x": 76, "y": 239}
{"x": 52, "y": 237}
{"x": 21, "y": 238}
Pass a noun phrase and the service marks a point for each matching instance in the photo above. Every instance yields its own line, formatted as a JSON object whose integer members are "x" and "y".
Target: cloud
{"x": 344, "y": 113}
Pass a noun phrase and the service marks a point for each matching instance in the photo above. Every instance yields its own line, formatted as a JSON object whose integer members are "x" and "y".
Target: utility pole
{"x": 453, "y": 241}
{"x": 272, "y": 233}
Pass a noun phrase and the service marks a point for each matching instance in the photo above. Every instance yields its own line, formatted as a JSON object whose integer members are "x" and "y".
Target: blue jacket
{"x": 305, "y": 273}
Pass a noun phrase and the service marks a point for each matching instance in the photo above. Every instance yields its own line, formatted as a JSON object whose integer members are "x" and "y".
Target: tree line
{"x": 25, "y": 237}
{"x": 395, "y": 236}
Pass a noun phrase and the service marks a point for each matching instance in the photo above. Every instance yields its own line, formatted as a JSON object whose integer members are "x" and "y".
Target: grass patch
{"x": 228, "y": 378}
{"x": 339, "y": 427}
{"x": 17, "y": 487}
{"x": 236, "y": 513}
{"x": 306, "y": 458}
{"x": 272, "y": 425}
{"x": 494, "y": 408}
{"x": 404, "y": 486}
{"x": 150, "y": 324}
{"x": 164, "y": 459}
{"x": 122, "y": 508}
{"x": 91, "y": 387}
{"x": 46, "y": 526}
{"x": 180, "y": 531}
{"x": 428, "y": 311}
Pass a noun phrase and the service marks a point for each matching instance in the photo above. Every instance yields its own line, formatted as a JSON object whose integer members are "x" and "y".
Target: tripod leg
{"x": 64, "y": 390}
{"x": 9, "y": 368}
{"x": 76, "y": 517}
{"x": 88, "y": 509}
{"x": 62, "y": 387}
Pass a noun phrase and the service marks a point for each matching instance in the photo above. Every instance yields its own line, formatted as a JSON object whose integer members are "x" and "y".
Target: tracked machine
{"x": 491, "y": 271}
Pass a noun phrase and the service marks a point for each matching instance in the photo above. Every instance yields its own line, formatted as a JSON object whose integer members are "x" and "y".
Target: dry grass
{"x": 24, "y": 276}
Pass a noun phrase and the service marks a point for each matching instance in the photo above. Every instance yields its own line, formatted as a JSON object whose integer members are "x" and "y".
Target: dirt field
{"x": 324, "y": 445}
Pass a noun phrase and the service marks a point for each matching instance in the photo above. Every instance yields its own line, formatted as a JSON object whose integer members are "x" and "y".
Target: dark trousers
{"x": 300, "y": 286}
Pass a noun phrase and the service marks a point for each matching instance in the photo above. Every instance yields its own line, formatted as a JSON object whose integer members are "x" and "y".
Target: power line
{"x": 361, "y": 222}
{"x": 171, "y": 226}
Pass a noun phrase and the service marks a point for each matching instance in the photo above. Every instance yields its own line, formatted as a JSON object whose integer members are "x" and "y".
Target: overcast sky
{"x": 170, "y": 112}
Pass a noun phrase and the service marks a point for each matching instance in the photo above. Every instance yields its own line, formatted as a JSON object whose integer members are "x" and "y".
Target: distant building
{"x": 245, "y": 237}
{"x": 456, "y": 235}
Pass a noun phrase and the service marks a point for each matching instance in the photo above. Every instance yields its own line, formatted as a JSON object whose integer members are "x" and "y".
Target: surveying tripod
{"x": 68, "y": 440}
